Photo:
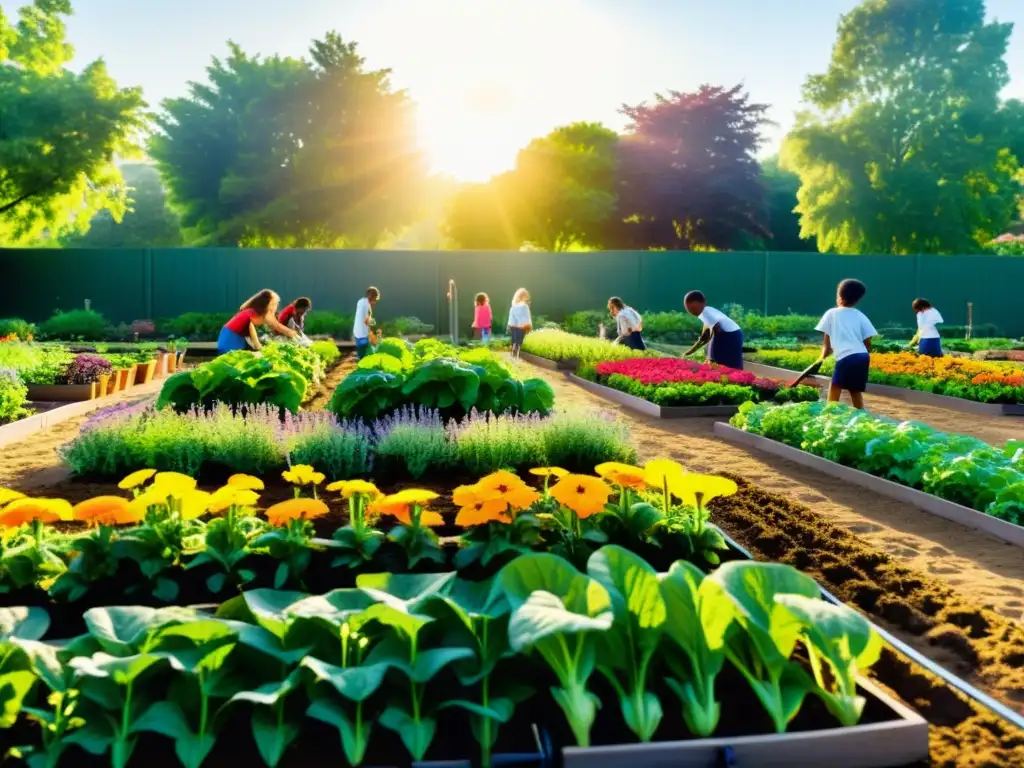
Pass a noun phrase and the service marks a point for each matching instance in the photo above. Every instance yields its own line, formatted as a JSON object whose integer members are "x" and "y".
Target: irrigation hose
{"x": 948, "y": 677}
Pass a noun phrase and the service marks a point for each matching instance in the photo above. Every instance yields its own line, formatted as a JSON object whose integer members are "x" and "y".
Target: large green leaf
{"x": 265, "y": 607}
{"x": 633, "y": 586}
{"x": 353, "y": 683}
{"x": 538, "y": 396}
{"x": 838, "y": 631}
{"x": 366, "y": 393}
{"x": 123, "y": 630}
{"x": 442, "y": 383}
{"x": 14, "y": 686}
{"x": 381, "y": 362}
{"x": 697, "y": 617}
{"x": 179, "y": 392}
{"x": 120, "y": 670}
{"x": 412, "y": 588}
{"x": 545, "y": 615}
{"x": 24, "y": 623}
{"x": 550, "y": 573}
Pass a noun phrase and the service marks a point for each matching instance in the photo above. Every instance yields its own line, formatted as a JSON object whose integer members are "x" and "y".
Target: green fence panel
{"x": 724, "y": 278}
{"x": 992, "y": 284}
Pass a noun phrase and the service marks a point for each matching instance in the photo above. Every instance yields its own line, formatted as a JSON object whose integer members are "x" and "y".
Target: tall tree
{"x": 59, "y": 131}
{"x": 687, "y": 173}
{"x": 284, "y": 152}
{"x": 903, "y": 150}
{"x": 148, "y": 223}
{"x": 484, "y": 216}
{"x": 781, "y": 188}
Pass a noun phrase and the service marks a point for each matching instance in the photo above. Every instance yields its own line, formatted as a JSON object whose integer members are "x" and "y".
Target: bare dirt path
{"x": 990, "y": 571}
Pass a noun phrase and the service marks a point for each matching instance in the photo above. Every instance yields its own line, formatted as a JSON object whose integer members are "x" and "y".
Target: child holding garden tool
{"x": 362, "y": 326}
{"x": 720, "y": 332}
{"x": 240, "y": 331}
{"x": 927, "y": 338}
{"x": 628, "y": 323}
{"x": 848, "y": 334}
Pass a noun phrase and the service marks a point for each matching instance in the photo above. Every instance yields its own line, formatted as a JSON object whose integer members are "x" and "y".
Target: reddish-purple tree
{"x": 687, "y": 174}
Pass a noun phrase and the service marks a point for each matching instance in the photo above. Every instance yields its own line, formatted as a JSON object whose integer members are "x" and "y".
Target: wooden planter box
{"x": 647, "y": 408}
{"x": 901, "y": 393}
{"x": 971, "y": 518}
{"x": 121, "y": 377}
{"x": 550, "y": 365}
{"x": 64, "y": 393}
{"x": 144, "y": 372}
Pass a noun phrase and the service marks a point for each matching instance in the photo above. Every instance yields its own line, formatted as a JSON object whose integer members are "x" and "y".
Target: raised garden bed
{"x": 66, "y": 393}
{"x": 648, "y": 408}
{"x": 902, "y": 393}
{"x": 1013, "y": 534}
{"x": 550, "y": 365}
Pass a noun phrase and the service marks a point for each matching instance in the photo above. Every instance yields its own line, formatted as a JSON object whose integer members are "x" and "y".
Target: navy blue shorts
{"x": 727, "y": 349}
{"x": 851, "y": 372}
{"x": 362, "y": 348}
{"x": 516, "y": 336}
{"x": 930, "y": 347}
{"x": 229, "y": 341}
{"x": 635, "y": 340}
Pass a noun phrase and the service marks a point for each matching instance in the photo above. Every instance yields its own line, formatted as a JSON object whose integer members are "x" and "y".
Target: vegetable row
{"x": 984, "y": 382}
{"x": 397, "y": 652}
{"x": 144, "y": 545}
{"x": 957, "y": 468}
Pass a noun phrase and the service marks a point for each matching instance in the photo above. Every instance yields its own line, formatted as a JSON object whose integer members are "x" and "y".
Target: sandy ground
{"x": 987, "y": 569}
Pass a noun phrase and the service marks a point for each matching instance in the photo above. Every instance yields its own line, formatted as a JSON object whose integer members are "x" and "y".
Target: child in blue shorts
{"x": 720, "y": 332}
{"x": 848, "y": 334}
{"x": 927, "y": 338}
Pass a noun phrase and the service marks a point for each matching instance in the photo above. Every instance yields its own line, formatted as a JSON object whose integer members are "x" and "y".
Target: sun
{"x": 488, "y": 76}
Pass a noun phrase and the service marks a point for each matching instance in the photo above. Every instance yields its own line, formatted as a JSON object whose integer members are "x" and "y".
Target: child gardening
{"x": 294, "y": 316}
{"x": 520, "y": 321}
{"x": 720, "y": 332}
{"x": 362, "y": 326}
{"x": 483, "y": 318}
{"x": 927, "y": 338}
{"x": 848, "y": 334}
{"x": 240, "y": 331}
{"x": 628, "y": 324}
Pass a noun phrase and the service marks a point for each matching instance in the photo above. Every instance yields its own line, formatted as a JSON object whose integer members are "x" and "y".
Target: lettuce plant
{"x": 561, "y": 614}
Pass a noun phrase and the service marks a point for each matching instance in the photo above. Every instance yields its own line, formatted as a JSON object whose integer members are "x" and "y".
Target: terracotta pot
{"x": 172, "y": 362}
{"x": 144, "y": 372}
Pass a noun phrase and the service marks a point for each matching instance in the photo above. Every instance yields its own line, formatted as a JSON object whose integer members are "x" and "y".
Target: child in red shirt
{"x": 240, "y": 331}
{"x": 483, "y": 318}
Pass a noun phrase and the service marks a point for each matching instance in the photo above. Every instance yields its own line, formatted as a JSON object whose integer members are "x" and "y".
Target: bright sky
{"x": 489, "y": 75}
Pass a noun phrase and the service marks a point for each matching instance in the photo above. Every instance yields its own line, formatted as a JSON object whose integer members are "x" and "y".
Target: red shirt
{"x": 286, "y": 314}
{"x": 240, "y": 322}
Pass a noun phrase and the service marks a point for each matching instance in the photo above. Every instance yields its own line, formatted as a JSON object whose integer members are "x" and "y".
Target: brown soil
{"x": 345, "y": 366}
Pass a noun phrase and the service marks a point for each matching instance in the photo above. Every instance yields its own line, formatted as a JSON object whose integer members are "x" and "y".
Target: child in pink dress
{"x": 482, "y": 318}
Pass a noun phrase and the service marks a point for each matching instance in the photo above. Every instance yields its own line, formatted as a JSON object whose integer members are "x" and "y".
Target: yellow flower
{"x": 418, "y": 496}
{"x": 697, "y": 490}
{"x": 135, "y": 479}
{"x": 22, "y": 511}
{"x": 295, "y": 509}
{"x": 232, "y": 496}
{"x": 194, "y": 504}
{"x": 337, "y": 486}
{"x": 583, "y": 494}
{"x": 400, "y": 507}
{"x": 7, "y": 496}
{"x": 661, "y": 471}
{"x": 467, "y": 495}
{"x": 173, "y": 484}
{"x": 521, "y": 498}
{"x": 303, "y": 474}
{"x": 622, "y": 475}
{"x": 246, "y": 482}
{"x": 501, "y": 481}
{"x": 360, "y": 488}
{"x": 106, "y": 510}
{"x": 556, "y": 472}
{"x": 482, "y": 512}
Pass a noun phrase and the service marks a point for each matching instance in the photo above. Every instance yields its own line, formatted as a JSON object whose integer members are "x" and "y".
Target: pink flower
{"x": 654, "y": 371}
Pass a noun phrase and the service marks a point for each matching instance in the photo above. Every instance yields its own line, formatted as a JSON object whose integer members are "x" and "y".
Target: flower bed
{"x": 974, "y": 380}
{"x": 431, "y": 374}
{"x": 556, "y": 345}
{"x": 686, "y": 654}
{"x": 960, "y": 469}
{"x": 410, "y": 443}
{"x": 679, "y": 383}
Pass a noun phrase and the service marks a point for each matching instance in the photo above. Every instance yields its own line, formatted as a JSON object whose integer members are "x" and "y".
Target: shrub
{"x": 13, "y": 396}
{"x": 78, "y": 324}
{"x": 197, "y": 326}
{"x": 585, "y": 323}
{"x": 323, "y": 323}
{"x": 406, "y": 326}
{"x": 86, "y": 369}
{"x": 15, "y": 326}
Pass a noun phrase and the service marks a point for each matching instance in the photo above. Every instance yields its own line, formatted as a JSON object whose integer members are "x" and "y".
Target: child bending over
{"x": 720, "y": 332}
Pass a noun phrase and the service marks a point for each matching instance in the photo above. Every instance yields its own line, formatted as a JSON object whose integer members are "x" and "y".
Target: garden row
{"x": 570, "y": 594}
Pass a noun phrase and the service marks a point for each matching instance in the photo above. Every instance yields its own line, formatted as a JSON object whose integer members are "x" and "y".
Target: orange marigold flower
{"x": 106, "y": 510}
{"x": 483, "y": 512}
{"x": 295, "y": 509}
{"x": 23, "y": 511}
{"x": 583, "y": 494}
{"x": 400, "y": 507}
{"x": 622, "y": 475}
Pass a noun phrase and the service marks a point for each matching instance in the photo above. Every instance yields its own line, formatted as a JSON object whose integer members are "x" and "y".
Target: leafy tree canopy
{"x": 687, "y": 173}
{"x": 904, "y": 149}
{"x": 59, "y": 130}
{"x": 781, "y": 189}
{"x": 283, "y": 152}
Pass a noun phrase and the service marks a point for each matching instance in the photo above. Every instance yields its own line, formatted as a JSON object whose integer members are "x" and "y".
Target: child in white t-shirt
{"x": 362, "y": 325}
{"x": 629, "y": 325}
{"x": 927, "y": 337}
{"x": 520, "y": 322}
{"x": 848, "y": 334}
{"x": 720, "y": 332}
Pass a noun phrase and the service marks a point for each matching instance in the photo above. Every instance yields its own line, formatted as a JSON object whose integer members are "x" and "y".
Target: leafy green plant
{"x": 15, "y": 326}
{"x": 197, "y": 326}
{"x": 75, "y": 325}
{"x": 13, "y": 397}
{"x": 321, "y": 322}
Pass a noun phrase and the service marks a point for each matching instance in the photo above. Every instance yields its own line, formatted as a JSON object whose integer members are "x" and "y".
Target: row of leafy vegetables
{"x": 395, "y": 653}
{"x": 281, "y": 374}
{"x": 455, "y": 381}
{"x": 957, "y": 468}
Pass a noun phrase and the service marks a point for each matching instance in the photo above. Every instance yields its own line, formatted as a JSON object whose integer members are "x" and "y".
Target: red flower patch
{"x": 667, "y": 370}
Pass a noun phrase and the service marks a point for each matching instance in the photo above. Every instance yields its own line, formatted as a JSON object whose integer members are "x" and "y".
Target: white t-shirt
{"x": 712, "y": 317}
{"x": 847, "y": 327}
{"x": 926, "y": 322}
{"x": 519, "y": 315}
{"x": 360, "y": 330}
{"x": 627, "y": 319}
